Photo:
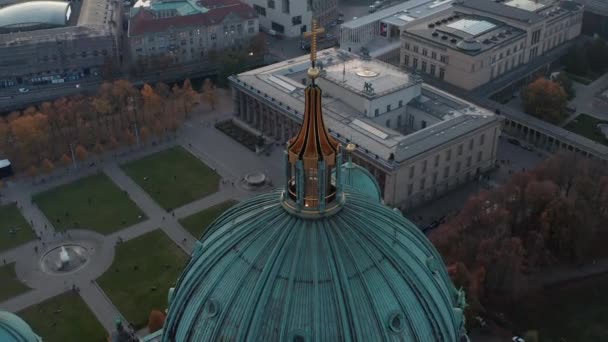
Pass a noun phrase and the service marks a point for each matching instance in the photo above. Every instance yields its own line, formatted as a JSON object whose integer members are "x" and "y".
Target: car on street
{"x": 23, "y": 90}
{"x": 527, "y": 147}
{"x": 514, "y": 141}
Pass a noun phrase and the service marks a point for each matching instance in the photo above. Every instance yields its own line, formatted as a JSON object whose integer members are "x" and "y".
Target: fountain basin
{"x": 64, "y": 259}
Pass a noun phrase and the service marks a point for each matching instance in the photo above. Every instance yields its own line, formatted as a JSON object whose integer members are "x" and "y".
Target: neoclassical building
{"x": 418, "y": 141}
{"x": 477, "y": 41}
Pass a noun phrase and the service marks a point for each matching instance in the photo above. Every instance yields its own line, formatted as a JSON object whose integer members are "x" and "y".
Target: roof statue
{"x": 315, "y": 261}
{"x": 14, "y": 329}
{"x": 368, "y": 88}
{"x": 121, "y": 334}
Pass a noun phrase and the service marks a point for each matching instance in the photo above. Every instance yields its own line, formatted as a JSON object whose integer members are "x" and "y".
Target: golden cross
{"x": 313, "y": 40}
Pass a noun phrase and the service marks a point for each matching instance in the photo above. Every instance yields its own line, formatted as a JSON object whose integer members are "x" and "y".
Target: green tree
{"x": 566, "y": 83}
{"x": 230, "y": 64}
{"x": 597, "y": 54}
{"x": 575, "y": 60}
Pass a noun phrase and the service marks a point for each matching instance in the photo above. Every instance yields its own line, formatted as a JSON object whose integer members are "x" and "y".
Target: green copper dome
{"x": 362, "y": 273}
{"x": 357, "y": 179}
{"x": 14, "y": 329}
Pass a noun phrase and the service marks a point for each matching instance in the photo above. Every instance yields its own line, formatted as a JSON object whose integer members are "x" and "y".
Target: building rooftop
{"x": 401, "y": 14}
{"x": 349, "y": 124}
{"x": 144, "y": 21}
{"x": 354, "y": 73}
{"x": 526, "y": 11}
{"x": 469, "y": 34}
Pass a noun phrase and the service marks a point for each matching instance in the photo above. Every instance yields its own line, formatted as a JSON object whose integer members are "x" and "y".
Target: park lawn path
{"x": 93, "y": 203}
{"x": 173, "y": 177}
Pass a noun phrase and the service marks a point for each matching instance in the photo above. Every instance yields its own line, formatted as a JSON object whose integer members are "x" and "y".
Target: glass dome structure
{"x": 34, "y": 15}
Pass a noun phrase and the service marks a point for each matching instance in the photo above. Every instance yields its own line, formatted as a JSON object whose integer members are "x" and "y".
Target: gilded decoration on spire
{"x": 312, "y": 155}
{"x": 313, "y": 71}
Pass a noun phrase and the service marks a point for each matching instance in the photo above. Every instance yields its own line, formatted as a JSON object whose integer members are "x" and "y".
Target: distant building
{"x": 45, "y": 42}
{"x": 417, "y": 140}
{"x": 188, "y": 31}
{"x": 379, "y": 33}
{"x": 476, "y": 41}
{"x": 291, "y": 18}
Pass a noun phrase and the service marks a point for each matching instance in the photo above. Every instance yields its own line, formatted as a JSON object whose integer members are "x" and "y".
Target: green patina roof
{"x": 186, "y": 7}
{"x": 357, "y": 179}
{"x": 14, "y": 329}
{"x": 364, "y": 273}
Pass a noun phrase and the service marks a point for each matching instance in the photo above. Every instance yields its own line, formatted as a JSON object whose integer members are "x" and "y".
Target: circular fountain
{"x": 64, "y": 259}
{"x": 255, "y": 181}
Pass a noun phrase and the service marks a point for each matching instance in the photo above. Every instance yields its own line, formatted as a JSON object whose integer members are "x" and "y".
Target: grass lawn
{"x": 586, "y": 126}
{"x": 64, "y": 318}
{"x": 173, "y": 177}
{"x": 197, "y": 224}
{"x": 93, "y": 203}
{"x": 11, "y": 219}
{"x": 140, "y": 277}
{"x": 572, "y": 312}
{"x": 11, "y": 286}
{"x": 581, "y": 79}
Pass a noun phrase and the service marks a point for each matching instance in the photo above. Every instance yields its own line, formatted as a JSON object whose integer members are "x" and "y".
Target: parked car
{"x": 514, "y": 141}
{"x": 527, "y": 147}
{"x": 23, "y": 90}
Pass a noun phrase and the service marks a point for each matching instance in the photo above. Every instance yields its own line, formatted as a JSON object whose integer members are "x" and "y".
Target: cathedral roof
{"x": 363, "y": 273}
{"x": 14, "y": 329}
{"x": 357, "y": 179}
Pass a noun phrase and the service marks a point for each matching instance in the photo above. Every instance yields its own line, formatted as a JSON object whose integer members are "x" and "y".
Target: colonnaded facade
{"x": 418, "y": 141}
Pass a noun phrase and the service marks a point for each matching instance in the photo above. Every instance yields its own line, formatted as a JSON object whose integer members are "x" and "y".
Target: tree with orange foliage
{"x": 98, "y": 148}
{"x": 81, "y": 153}
{"x": 546, "y": 100}
{"x": 32, "y": 171}
{"x": 47, "y": 166}
{"x": 144, "y": 134}
{"x": 156, "y": 320}
{"x": 112, "y": 142}
{"x": 65, "y": 160}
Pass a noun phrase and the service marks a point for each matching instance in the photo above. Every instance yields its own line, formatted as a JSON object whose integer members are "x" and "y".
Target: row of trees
{"x": 553, "y": 215}
{"x": 547, "y": 99}
{"x": 38, "y": 138}
{"x": 591, "y": 57}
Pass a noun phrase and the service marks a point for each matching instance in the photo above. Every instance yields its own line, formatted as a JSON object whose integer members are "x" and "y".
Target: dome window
{"x": 396, "y": 322}
{"x": 298, "y": 336}
{"x": 212, "y": 308}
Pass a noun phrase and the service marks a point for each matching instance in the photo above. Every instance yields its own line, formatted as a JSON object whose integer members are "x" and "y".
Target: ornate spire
{"x": 313, "y": 154}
